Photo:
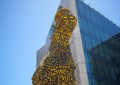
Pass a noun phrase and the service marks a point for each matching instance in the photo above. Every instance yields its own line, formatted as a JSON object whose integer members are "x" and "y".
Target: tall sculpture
{"x": 58, "y": 67}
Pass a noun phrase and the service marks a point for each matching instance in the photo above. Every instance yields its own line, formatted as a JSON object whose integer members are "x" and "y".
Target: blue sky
{"x": 24, "y": 25}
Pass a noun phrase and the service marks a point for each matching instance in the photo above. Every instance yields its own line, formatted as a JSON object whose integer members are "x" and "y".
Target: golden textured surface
{"x": 58, "y": 68}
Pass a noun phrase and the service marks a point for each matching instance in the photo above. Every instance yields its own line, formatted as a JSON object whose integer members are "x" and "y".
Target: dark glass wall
{"x": 101, "y": 44}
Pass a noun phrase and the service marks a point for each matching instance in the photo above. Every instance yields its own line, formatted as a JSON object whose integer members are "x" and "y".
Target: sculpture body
{"x": 58, "y": 67}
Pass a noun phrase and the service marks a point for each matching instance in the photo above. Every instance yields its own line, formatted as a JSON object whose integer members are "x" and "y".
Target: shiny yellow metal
{"x": 58, "y": 67}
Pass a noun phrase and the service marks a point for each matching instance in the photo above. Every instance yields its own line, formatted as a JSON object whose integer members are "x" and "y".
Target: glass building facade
{"x": 100, "y": 43}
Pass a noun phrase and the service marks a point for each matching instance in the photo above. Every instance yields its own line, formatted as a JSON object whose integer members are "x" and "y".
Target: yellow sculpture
{"x": 58, "y": 67}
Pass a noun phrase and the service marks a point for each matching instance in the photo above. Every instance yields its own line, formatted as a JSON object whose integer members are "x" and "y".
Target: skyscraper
{"x": 95, "y": 46}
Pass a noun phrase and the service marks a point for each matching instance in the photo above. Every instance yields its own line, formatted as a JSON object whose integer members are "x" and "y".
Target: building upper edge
{"x": 101, "y": 14}
{"x": 65, "y": 3}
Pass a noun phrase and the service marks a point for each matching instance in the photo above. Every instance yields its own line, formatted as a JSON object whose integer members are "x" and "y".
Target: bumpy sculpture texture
{"x": 58, "y": 67}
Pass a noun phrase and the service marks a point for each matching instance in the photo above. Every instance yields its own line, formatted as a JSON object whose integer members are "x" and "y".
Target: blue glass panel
{"x": 100, "y": 39}
{"x": 88, "y": 42}
{"x": 91, "y": 29}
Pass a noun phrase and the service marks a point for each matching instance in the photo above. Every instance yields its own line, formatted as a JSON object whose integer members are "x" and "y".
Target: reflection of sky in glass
{"x": 94, "y": 27}
{"x": 101, "y": 44}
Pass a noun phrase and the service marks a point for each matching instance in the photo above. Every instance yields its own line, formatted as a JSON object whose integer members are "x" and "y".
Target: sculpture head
{"x": 65, "y": 21}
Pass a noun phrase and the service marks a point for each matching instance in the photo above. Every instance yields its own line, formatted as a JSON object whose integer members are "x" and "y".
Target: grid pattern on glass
{"x": 101, "y": 44}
